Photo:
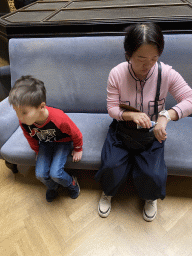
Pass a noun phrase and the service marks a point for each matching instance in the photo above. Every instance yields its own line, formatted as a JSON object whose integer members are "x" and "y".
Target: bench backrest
{"x": 178, "y": 54}
{"x": 75, "y": 69}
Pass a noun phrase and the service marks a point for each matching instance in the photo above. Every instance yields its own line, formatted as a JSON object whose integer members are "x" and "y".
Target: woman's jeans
{"x": 50, "y": 164}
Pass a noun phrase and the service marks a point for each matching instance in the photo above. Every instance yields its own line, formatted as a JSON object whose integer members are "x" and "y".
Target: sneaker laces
{"x": 151, "y": 202}
{"x": 106, "y": 198}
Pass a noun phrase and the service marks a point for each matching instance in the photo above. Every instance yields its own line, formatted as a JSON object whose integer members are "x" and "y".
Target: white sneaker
{"x": 104, "y": 206}
{"x": 150, "y": 210}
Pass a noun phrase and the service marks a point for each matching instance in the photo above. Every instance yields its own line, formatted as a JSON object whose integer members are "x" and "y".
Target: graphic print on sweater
{"x": 43, "y": 135}
{"x": 48, "y": 133}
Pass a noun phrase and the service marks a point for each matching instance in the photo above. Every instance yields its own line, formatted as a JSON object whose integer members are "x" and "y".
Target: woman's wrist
{"x": 164, "y": 113}
{"x": 173, "y": 114}
{"x": 127, "y": 115}
{"x": 169, "y": 115}
{"x": 162, "y": 120}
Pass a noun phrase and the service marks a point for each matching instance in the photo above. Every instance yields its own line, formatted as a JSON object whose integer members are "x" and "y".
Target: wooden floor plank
{"x": 30, "y": 226}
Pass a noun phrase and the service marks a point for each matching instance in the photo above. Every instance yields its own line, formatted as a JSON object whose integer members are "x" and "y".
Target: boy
{"x": 50, "y": 133}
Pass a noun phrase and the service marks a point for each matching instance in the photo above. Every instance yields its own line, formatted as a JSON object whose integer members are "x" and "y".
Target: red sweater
{"x": 57, "y": 128}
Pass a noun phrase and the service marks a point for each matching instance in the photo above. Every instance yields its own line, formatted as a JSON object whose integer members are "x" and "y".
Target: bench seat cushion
{"x": 94, "y": 128}
{"x": 178, "y": 147}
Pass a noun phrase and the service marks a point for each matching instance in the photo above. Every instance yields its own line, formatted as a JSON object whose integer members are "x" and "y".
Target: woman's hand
{"x": 160, "y": 129}
{"x": 139, "y": 118}
{"x": 76, "y": 155}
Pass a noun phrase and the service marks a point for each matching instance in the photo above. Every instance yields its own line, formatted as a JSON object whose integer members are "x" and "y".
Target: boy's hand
{"x": 76, "y": 155}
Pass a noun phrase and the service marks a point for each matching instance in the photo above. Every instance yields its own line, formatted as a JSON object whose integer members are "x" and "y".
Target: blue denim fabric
{"x": 50, "y": 164}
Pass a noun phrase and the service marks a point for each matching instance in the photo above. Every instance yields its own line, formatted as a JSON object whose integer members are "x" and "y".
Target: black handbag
{"x": 127, "y": 131}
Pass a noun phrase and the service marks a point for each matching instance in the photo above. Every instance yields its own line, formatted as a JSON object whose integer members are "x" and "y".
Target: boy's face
{"x": 27, "y": 114}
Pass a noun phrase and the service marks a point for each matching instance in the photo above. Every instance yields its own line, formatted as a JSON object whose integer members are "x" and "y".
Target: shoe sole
{"x": 49, "y": 200}
{"x": 148, "y": 219}
{"x": 104, "y": 215}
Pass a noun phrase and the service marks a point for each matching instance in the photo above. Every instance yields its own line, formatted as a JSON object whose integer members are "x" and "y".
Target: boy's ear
{"x": 43, "y": 104}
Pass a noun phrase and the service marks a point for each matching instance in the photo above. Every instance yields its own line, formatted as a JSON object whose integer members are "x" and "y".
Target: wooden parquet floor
{"x": 29, "y": 226}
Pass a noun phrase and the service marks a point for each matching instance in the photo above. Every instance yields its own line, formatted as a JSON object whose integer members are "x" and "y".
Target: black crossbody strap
{"x": 158, "y": 90}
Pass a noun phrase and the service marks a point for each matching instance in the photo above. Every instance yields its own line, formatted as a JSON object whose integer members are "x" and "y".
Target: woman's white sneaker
{"x": 150, "y": 210}
{"x": 104, "y": 206}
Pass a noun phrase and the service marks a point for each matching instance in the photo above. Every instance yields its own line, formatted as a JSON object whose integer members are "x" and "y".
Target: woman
{"x": 134, "y": 83}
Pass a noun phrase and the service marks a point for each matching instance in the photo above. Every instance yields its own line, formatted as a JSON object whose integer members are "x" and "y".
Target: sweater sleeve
{"x": 182, "y": 92}
{"x": 34, "y": 144}
{"x": 69, "y": 127}
{"x": 113, "y": 98}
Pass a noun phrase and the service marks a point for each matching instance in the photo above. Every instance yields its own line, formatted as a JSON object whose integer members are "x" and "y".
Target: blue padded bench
{"x": 75, "y": 72}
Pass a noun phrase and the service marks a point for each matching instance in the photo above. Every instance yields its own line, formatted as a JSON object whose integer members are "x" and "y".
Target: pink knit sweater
{"x": 124, "y": 87}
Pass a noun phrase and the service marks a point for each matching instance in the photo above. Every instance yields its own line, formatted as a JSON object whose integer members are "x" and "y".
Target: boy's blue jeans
{"x": 50, "y": 164}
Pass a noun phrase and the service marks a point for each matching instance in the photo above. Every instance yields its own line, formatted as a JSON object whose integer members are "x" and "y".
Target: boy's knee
{"x": 55, "y": 178}
{"x": 40, "y": 177}
{"x": 59, "y": 180}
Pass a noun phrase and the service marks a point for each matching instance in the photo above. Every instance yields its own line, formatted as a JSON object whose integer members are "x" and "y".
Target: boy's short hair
{"x": 27, "y": 91}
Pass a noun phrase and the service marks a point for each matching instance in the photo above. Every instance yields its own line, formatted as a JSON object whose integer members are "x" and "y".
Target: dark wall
{"x": 21, "y": 3}
{"x": 4, "y": 7}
